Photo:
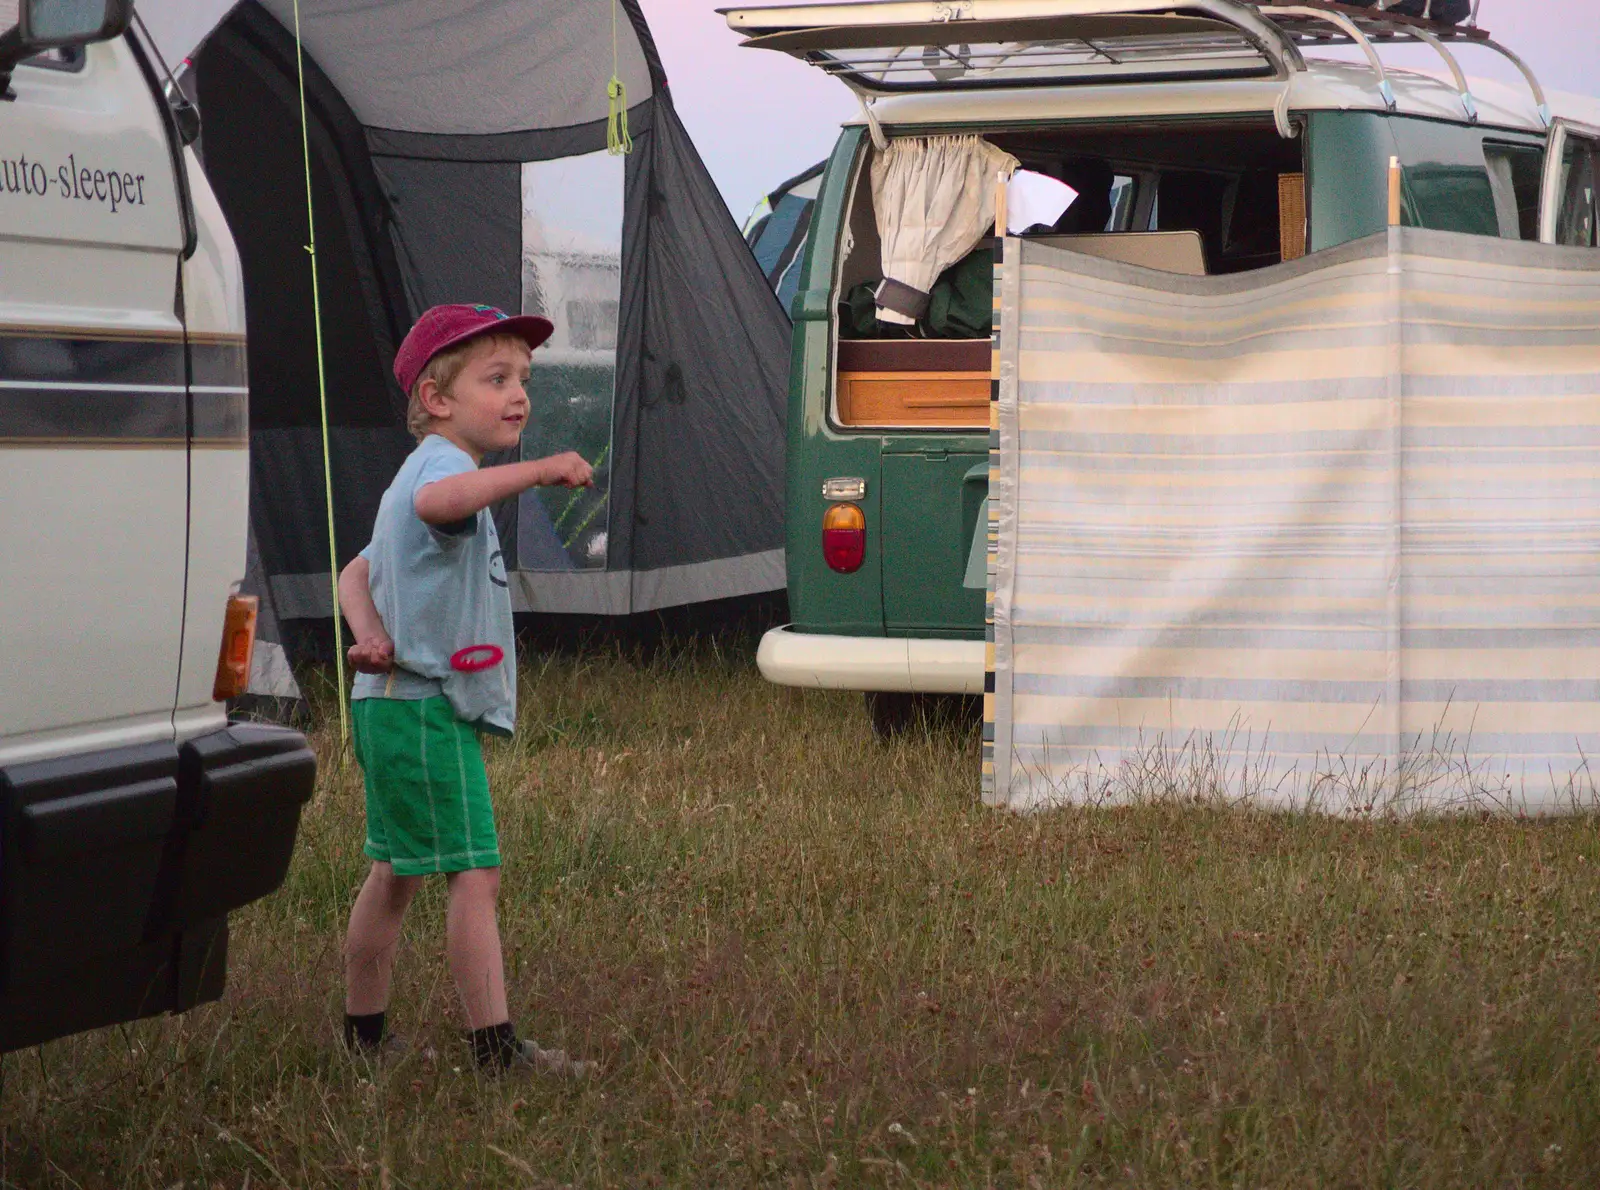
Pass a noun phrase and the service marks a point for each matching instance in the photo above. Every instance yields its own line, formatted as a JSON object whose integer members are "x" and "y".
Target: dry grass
{"x": 806, "y": 959}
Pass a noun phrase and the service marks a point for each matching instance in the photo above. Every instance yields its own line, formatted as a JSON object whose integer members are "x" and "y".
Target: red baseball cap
{"x": 446, "y": 326}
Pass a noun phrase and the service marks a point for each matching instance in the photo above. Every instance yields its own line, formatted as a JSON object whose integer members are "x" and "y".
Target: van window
{"x": 1515, "y": 174}
{"x": 1184, "y": 196}
{"x": 1122, "y": 200}
{"x": 1446, "y": 178}
{"x": 1220, "y": 180}
{"x": 1236, "y": 214}
{"x": 1578, "y": 215}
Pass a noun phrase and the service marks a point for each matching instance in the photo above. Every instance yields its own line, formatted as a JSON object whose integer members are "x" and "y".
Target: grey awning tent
{"x": 459, "y": 155}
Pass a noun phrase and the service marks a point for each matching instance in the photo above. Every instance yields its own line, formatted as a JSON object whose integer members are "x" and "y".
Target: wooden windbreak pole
{"x": 1394, "y": 192}
{"x": 1000, "y": 207}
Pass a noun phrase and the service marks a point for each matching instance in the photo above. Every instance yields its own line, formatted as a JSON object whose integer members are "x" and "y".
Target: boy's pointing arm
{"x": 457, "y": 497}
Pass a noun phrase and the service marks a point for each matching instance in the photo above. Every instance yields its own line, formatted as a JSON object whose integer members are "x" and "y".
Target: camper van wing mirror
{"x": 50, "y": 24}
{"x": 55, "y": 24}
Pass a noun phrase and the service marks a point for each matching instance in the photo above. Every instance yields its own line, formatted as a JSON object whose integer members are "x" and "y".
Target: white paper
{"x": 1035, "y": 198}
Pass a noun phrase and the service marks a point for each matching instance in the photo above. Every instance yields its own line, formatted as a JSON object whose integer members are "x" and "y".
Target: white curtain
{"x": 934, "y": 198}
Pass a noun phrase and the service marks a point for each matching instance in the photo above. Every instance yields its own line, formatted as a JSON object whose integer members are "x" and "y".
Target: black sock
{"x": 363, "y": 1031}
{"x": 494, "y": 1045}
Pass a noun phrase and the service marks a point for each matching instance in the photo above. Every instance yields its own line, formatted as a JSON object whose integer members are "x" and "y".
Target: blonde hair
{"x": 444, "y": 369}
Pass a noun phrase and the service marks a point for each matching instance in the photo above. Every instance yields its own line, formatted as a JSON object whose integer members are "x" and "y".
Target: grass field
{"x": 807, "y": 959}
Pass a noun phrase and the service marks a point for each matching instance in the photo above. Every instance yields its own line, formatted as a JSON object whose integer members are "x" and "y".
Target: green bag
{"x": 960, "y": 305}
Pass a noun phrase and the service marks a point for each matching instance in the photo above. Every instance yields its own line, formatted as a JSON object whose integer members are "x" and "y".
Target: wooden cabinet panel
{"x": 915, "y": 355}
{"x": 914, "y": 399}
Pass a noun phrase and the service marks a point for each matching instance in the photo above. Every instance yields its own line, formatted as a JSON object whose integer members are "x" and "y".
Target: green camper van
{"x": 1211, "y": 136}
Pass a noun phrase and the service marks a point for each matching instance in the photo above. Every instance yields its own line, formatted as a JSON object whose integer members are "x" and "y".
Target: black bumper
{"x": 118, "y": 870}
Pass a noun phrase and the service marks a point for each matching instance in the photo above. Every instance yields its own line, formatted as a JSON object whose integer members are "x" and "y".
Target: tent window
{"x": 593, "y": 323}
{"x": 571, "y": 274}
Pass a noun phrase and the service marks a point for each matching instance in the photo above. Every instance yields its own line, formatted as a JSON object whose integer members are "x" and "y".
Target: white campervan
{"x": 133, "y": 815}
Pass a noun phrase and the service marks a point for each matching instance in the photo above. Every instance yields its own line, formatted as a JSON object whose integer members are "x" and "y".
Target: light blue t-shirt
{"x": 440, "y": 589}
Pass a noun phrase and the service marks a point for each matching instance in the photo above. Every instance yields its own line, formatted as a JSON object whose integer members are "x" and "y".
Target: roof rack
{"x": 872, "y": 45}
{"x": 1312, "y": 23}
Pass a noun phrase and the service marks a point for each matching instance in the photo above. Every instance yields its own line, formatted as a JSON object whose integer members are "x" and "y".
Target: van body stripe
{"x": 124, "y": 361}
{"x": 77, "y": 390}
{"x": 218, "y": 364}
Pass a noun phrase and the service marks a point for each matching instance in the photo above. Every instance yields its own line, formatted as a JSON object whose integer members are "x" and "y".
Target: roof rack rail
{"x": 1382, "y": 22}
{"x": 1468, "y": 104}
{"x": 1326, "y": 22}
{"x": 867, "y": 43}
{"x": 1352, "y": 35}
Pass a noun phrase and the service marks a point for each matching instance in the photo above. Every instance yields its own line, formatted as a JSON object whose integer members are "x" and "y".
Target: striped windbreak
{"x": 1324, "y": 534}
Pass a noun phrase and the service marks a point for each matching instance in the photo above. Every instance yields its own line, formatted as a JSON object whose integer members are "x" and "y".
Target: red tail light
{"x": 844, "y": 537}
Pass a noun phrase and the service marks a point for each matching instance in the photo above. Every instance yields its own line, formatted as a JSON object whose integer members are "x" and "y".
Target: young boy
{"x": 430, "y": 584}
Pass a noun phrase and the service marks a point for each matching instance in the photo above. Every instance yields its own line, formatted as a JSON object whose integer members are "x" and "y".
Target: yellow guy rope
{"x": 617, "y": 138}
{"x": 322, "y": 386}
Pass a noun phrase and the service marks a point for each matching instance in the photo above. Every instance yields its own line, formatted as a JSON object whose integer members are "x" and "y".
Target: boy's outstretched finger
{"x": 574, "y": 470}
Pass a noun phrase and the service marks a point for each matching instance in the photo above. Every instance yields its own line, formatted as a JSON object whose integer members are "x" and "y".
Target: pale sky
{"x": 759, "y": 117}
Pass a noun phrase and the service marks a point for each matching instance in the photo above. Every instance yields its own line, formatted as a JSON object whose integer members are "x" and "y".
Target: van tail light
{"x": 238, "y": 644}
{"x": 844, "y": 537}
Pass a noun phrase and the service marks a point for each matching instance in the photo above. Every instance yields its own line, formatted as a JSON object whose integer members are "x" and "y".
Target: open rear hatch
{"x": 882, "y": 47}
{"x": 927, "y": 45}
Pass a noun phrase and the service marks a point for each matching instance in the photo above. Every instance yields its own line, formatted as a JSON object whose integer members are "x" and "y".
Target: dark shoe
{"x": 392, "y": 1048}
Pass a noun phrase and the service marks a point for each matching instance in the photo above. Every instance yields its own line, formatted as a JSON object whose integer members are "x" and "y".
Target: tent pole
{"x": 322, "y": 387}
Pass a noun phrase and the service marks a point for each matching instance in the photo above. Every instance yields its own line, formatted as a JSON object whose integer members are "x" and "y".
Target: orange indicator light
{"x": 238, "y": 645}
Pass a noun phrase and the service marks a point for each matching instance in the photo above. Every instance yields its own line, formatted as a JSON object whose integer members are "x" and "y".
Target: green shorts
{"x": 427, "y": 791}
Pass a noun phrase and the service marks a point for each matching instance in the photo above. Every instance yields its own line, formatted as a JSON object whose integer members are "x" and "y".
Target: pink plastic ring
{"x": 476, "y": 658}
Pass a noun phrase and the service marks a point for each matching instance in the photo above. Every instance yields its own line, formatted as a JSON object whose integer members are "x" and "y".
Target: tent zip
{"x": 322, "y": 388}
